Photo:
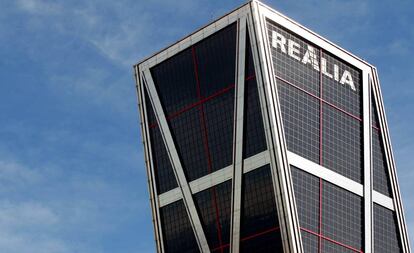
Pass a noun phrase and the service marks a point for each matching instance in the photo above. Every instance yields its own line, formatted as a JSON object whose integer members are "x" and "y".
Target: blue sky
{"x": 72, "y": 175}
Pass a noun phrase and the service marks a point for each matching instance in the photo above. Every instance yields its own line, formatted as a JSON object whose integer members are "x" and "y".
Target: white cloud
{"x": 26, "y": 225}
{"x": 17, "y": 174}
{"x": 119, "y": 30}
{"x": 14, "y": 215}
{"x": 22, "y": 243}
{"x": 53, "y": 209}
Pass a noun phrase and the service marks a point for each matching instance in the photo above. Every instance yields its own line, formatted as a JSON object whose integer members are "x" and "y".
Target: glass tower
{"x": 262, "y": 136}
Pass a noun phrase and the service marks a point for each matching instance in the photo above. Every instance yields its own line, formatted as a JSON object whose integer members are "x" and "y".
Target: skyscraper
{"x": 262, "y": 136}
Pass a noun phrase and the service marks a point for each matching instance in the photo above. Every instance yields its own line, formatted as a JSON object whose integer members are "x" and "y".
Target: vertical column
{"x": 238, "y": 137}
{"x": 152, "y": 188}
{"x": 282, "y": 180}
{"x": 320, "y": 150}
{"x": 366, "y": 107}
{"x": 176, "y": 163}
{"x": 398, "y": 206}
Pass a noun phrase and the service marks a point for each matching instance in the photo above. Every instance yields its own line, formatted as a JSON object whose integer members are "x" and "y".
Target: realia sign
{"x": 292, "y": 49}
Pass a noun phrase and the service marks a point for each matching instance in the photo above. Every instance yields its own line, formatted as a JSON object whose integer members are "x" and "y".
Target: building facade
{"x": 262, "y": 136}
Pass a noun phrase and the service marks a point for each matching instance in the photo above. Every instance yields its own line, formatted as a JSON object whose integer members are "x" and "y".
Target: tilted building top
{"x": 262, "y": 136}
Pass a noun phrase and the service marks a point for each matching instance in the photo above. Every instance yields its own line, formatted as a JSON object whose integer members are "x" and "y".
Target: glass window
{"x": 254, "y": 135}
{"x": 219, "y": 124}
{"x": 175, "y": 81}
{"x": 177, "y": 231}
{"x": 342, "y": 144}
{"x": 306, "y": 188}
{"x": 331, "y": 247}
{"x": 381, "y": 177}
{"x": 289, "y": 52}
{"x": 196, "y": 89}
{"x": 312, "y": 84}
{"x": 310, "y": 243}
{"x": 380, "y": 169}
{"x": 249, "y": 71}
{"x": 374, "y": 113}
{"x": 214, "y": 207}
{"x": 342, "y": 216}
{"x": 259, "y": 221}
{"x": 300, "y": 115}
{"x": 215, "y": 59}
{"x": 187, "y": 131}
{"x": 386, "y": 235}
{"x": 345, "y": 92}
{"x": 152, "y": 121}
{"x": 164, "y": 174}
{"x": 269, "y": 241}
{"x": 330, "y": 218}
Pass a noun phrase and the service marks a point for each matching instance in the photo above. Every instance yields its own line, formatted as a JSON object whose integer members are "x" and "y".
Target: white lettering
{"x": 293, "y": 49}
{"x": 336, "y": 73}
{"x": 278, "y": 39}
{"x": 347, "y": 79}
{"x": 310, "y": 57}
{"x": 324, "y": 68}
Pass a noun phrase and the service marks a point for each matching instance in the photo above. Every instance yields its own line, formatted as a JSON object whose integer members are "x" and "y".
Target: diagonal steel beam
{"x": 176, "y": 163}
{"x": 238, "y": 136}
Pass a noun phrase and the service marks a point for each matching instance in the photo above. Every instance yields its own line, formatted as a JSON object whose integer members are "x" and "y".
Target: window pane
{"x": 342, "y": 143}
{"x": 150, "y": 112}
{"x": 331, "y": 247}
{"x": 214, "y": 206}
{"x": 177, "y": 231}
{"x": 164, "y": 174}
{"x": 216, "y": 60}
{"x": 292, "y": 69}
{"x": 300, "y": 114}
{"x": 380, "y": 168}
{"x": 263, "y": 243}
{"x": 306, "y": 188}
{"x": 381, "y": 176}
{"x": 196, "y": 89}
{"x": 386, "y": 235}
{"x": 254, "y": 135}
{"x": 340, "y": 94}
{"x": 175, "y": 81}
{"x": 310, "y": 243}
{"x": 342, "y": 216}
{"x": 219, "y": 118}
{"x": 249, "y": 64}
{"x": 374, "y": 113}
{"x": 259, "y": 222}
{"x": 188, "y": 137}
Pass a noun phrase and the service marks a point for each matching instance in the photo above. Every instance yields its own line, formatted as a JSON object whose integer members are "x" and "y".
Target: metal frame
{"x": 238, "y": 136}
{"x": 152, "y": 188}
{"x": 367, "y": 128}
{"x": 282, "y": 180}
{"x": 263, "y": 158}
{"x": 176, "y": 163}
{"x": 184, "y": 191}
{"x": 253, "y": 16}
{"x": 195, "y": 37}
{"x": 367, "y": 200}
{"x": 370, "y": 195}
{"x": 386, "y": 142}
